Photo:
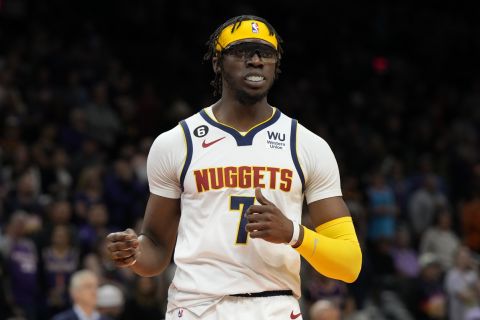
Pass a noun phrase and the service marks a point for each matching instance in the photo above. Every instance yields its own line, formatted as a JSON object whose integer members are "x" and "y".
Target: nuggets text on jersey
{"x": 244, "y": 177}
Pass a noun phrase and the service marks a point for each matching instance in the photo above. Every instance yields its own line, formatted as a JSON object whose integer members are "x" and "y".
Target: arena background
{"x": 393, "y": 88}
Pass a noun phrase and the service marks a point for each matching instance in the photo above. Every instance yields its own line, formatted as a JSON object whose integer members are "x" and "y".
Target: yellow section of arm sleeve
{"x": 333, "y": 250}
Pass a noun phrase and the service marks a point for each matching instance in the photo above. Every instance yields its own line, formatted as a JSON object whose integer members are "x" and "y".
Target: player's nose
{"x": 254, "y": 60}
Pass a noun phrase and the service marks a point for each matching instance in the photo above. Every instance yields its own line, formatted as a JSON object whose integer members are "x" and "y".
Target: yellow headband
{"x": 248, "y": 29}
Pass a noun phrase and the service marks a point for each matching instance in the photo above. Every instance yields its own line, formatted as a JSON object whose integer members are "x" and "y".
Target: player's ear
{"x": 216, "y": 65}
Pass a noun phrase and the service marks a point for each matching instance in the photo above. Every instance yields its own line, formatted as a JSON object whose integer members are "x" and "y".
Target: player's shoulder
{"x": 167, "y": 150}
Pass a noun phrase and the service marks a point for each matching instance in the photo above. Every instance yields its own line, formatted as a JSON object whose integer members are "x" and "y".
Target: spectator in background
{"x": 355, "y": 203}
{"x": 95, "y": 228}
{"x": 324, "y": 310}
{"x": 405, "y": 259}
{"x": 62, "y": 180}
{"x": 89, "y": 191}
{"x": 12, "y": 144}
{"x": 103, "y": 122}
{"x": 60, "y": 260}
{"x": 22, "y": 265}
{"x": 404, "y": 255}
{"x": 473, "y": 314}
{"x": 463, "y": 285}
{"x": 426, "y": 169}
{"x": 90, "y": 155}
{"x": 110, "y": 302}
{"x": 423, "y": 205}
{"x": 179, "y": 109}
{"x": 42, "y": 154}
{"x": 139, "y": 161}
{"x": 147, "y": 109}
{"x": 126, "y": 107}
{"x": 73, "y": 135}
{"x": 59, "y": 213}
{"x": 75, "y": 94}
{"x": 6, "y": 303}
{"x": 440, "y": 239}
{"x": 382, "y": 264}
{"x": 83, "y": 292}
{"x": 320, "y": 287}
{"x": 382, "y": 209}
{"x": 24, "y": 195}
{"x": 16, "y": 164}
{"x": 124, "y": 194}
{"x": 430, "y": 296}
{"x": 41, "y": 90}
{"x": 144, "y": 300}
{"x": 400, "y": 186}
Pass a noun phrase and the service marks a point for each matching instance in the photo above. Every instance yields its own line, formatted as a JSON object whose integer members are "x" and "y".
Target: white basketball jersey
{"x": 215, "y": 173}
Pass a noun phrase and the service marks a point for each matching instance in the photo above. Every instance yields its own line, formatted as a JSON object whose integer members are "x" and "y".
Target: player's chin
{"x": 251, "y": 96}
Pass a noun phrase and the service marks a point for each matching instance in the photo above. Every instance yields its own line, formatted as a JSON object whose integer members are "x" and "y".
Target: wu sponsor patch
{"x": 275, "y": 140}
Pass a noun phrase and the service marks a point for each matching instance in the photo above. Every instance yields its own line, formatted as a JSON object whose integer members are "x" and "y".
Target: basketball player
{"x": 83, "y": 291}
{"x": 227, "y": 187}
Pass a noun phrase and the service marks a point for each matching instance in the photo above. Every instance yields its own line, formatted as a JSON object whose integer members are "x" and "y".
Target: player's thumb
{"x": 132, "y": 235}
{"x": 260, "y": 197}
{"x": 130, "y": 232}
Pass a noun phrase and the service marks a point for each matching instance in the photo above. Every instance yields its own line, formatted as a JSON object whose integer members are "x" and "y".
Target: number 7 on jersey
{"x": 241, "y": 204}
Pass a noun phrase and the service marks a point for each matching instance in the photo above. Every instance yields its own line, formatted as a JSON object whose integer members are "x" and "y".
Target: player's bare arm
{"x": 325, "y": 210}
{"x": 150, "y": 253}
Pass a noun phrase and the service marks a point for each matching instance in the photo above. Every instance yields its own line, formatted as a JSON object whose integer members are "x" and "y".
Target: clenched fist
{"x": 123, "y": 247}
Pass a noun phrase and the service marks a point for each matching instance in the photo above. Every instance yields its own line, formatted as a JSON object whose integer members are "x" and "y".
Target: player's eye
{"x": 238, "y": 52}
{"x": 266, "y": 53}
{"x": 247, "y": 50}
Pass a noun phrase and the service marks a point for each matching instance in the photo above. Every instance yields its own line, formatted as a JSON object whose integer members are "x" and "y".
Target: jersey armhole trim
{"x": 293, "y": 150}
{"x": 188, "y": 156}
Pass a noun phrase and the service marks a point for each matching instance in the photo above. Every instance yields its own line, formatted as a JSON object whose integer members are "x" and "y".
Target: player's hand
{"x": 123, "y": 247}
{"x": 267, "y": 222}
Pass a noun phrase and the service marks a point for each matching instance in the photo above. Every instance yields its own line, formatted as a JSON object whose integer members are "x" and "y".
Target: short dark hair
{"x": 212, "y": 43}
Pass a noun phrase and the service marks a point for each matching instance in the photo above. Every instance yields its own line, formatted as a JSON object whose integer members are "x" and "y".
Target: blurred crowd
{"x": 394, "y": 90}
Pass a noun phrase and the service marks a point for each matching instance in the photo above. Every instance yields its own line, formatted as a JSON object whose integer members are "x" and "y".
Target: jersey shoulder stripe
{"x": 188, "y": 157}
{"x": 293, "y": 150}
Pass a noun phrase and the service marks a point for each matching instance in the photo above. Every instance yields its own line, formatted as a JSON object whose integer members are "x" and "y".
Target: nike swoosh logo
{"x": 208, "y": 144}
{"x": 294, "y": 316}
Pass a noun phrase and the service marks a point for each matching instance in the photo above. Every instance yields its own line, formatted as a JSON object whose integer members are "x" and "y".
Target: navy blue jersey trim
{"x": 248, "y": 138}
{"x": 293, "y": 150}
{"x": 188, "y": 158}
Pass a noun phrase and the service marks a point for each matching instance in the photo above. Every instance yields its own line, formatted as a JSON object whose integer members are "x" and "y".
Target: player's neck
{"x": 240, "y": 116}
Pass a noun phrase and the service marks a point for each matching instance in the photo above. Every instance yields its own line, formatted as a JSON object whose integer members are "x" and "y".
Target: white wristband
{"x": 296, "y": 233}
